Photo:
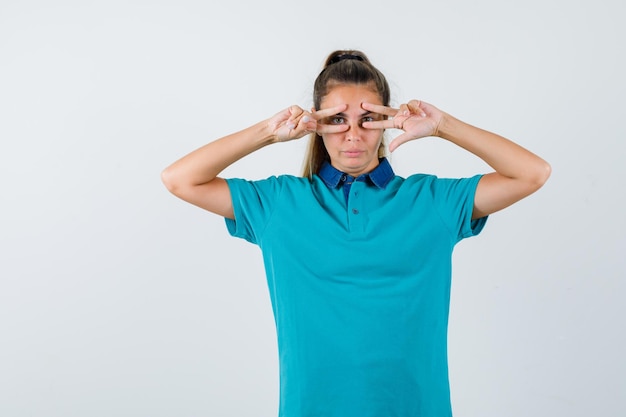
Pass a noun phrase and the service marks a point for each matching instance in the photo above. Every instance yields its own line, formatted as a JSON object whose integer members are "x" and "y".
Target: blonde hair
{"x": 341, "y": 67}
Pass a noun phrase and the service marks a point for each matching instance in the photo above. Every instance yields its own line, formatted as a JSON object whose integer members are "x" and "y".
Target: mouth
{"x": 353, "y": 153}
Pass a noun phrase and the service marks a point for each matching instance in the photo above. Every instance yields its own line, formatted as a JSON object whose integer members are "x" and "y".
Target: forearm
{"x": 204, "y": 164}
{"x": 504, "y": 156}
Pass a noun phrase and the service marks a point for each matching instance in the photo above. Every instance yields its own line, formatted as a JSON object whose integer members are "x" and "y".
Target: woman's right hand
{"x": 294, "y": 123}
{"x": 291, "y": 123}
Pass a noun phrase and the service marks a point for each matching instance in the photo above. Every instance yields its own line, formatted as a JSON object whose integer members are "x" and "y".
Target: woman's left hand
{"x": 416, "y": 118}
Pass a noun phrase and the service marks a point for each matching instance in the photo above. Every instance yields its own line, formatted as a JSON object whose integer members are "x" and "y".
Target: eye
{"x": 337, "y": 120}
{"x": 368, "y": 118}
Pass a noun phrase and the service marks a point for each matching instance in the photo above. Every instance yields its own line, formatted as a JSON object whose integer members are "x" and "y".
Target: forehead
{"x": 352, "y": 95}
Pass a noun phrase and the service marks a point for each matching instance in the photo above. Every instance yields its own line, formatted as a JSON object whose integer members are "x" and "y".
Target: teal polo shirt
{"x": 359, "y": 282}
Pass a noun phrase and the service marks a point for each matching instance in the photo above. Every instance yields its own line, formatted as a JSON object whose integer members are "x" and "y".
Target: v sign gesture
{"x": 416, "y": 118}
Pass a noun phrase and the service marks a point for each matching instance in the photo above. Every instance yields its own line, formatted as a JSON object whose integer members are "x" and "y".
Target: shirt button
{"x": 343, "y": 178}
{"x": 355, "y": 211}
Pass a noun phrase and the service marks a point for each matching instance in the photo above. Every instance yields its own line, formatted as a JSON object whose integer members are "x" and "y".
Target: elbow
{"x": 544, "y": 172}
{"x": 169, "y": 180}
{"x": 540, "y": 175}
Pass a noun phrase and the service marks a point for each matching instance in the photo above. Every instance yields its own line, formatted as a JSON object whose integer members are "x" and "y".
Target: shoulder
{"x": 274, "y": 179}
{"x": 433, "y": 181}
{"x": 413, "y": 182}
{"x": 270, "y": 184}
{"x": 433, "y": 187}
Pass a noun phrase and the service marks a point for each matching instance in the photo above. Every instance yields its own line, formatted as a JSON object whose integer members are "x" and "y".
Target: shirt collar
{"x": 379, "y": 176}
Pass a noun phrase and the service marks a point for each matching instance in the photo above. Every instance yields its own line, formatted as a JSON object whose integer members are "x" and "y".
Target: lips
{"x": 353, "y": 153}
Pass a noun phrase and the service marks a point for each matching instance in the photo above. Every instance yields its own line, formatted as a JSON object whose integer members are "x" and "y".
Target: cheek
{"x": 377, "y": 137}
{"x": 331, "y": 140}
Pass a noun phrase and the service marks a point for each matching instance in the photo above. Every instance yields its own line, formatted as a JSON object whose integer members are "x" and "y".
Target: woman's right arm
{"x": 194, "y": 178}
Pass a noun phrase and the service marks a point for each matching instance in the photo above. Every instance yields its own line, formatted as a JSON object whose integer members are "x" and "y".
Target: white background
{"x": 116, "y": 299}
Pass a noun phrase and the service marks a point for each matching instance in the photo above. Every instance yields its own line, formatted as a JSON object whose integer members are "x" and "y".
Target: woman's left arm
{"x": 518, "y": 172}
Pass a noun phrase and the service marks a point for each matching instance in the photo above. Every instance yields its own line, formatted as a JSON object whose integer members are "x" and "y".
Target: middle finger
{"x": 331, "y": 111}
{"x": 377, "y": 108}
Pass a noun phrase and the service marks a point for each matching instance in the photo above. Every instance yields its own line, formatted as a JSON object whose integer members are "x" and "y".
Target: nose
{"x": 354, "y": 131}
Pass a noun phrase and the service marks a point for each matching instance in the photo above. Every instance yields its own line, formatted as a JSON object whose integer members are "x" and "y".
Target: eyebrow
{"x": 342, "y": 114}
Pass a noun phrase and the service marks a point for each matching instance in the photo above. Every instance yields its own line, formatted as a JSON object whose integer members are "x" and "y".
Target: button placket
{"x": 355, "y": 206}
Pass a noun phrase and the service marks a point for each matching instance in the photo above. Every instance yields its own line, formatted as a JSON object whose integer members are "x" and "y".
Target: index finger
{"x": 331, "y": 111}
{"x": 377, "y": 108}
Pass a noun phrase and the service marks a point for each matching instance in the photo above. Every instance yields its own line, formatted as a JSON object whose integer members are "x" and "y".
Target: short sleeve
{"x": 253, "y": 205}
{"x": 454, "y": 199}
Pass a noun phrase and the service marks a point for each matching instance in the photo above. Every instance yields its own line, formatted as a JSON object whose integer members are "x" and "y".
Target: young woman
{"x": 358, "y": 260}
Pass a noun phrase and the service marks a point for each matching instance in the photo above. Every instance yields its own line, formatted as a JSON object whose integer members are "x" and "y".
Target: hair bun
{"x": 343, "y": 57}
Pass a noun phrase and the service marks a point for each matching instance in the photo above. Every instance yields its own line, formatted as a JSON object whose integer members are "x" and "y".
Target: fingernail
{"x": 306, "y": 119}
{"x": 290, "y": 126}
